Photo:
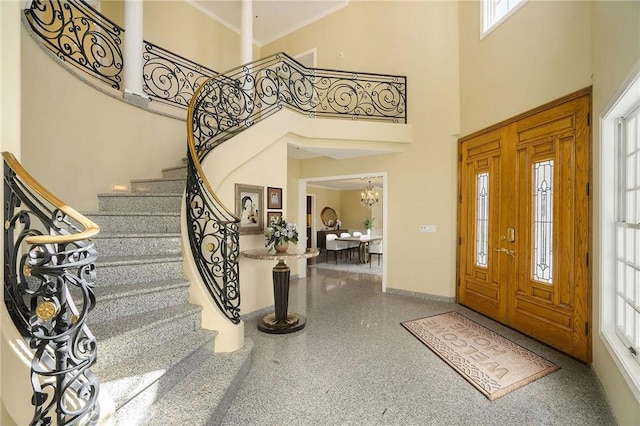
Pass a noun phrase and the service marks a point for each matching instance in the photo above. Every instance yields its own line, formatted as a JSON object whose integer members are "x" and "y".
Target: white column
{"x": 133, "y": 48}
{"x": 246, "y": 32}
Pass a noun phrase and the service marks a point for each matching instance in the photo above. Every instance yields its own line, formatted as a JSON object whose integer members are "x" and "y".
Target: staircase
{"x": 154, "y": 359}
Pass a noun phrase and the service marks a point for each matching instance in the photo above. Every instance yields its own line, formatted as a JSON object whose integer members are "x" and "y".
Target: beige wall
{"x": 325, "y": 197}
{"x": 353, "y": 214}
{"x": 193, "y": 34}
{"x": 616, "y": 49}
{"x": 91, "y": 141}
{"x": 539, "y": 54}
{"x": 419, "y": 40}
{"x": 268, "y": 169}
{"x": 197, "y": 37}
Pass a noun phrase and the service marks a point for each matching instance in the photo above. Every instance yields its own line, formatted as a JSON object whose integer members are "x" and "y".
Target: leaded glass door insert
{"x": 482, "y": 218}
{"x": 543, "y": 221}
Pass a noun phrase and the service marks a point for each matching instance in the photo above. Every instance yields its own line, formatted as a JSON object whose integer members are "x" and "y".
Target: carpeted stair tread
{"x": 142, "y": 322}
{"x": 209, "y": 388}
{"x": 133, "y": 260}
{"x": 166, "y": 364}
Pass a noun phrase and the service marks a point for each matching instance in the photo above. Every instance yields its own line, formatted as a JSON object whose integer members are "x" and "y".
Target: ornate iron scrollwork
{"x": 38, "y": 281}
{"x": 79, "y": 35}
{"x": 214, "y": 240}
{"x": 169, "y": 78}
{"x": 225, "y": 105}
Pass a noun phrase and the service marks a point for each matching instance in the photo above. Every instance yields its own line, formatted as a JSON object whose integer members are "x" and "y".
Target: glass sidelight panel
{"x": 543, "y": 221}
{"x": 482, "y": 218}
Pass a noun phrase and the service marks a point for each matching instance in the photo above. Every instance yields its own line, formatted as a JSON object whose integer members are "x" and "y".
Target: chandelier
{"x": 368, "y": 198}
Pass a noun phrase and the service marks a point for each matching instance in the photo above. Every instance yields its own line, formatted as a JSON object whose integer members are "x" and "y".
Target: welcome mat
{"x": 493, "y": 364}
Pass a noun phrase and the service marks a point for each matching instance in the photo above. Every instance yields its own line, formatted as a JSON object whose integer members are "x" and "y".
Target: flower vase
{"x": 282, "y": 247}
{"x": 369, "y": 233}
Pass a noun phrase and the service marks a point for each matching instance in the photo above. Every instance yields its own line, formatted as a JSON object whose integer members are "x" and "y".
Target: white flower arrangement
{"x": 280, "y": 231}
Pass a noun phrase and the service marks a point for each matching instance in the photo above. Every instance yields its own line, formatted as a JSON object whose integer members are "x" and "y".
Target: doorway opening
{"x": 344, "y": 182}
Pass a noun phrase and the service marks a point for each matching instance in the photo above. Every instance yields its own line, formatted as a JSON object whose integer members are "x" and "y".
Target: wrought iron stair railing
{"x": 48, "y": 254}
{"x": 228, "y": 104}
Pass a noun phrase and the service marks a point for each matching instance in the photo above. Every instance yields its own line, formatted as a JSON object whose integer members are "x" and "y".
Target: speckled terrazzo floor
{"x": 354, "y": 364}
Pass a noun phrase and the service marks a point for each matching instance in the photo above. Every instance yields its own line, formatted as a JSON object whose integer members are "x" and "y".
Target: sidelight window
{"x": 482, "y": 218}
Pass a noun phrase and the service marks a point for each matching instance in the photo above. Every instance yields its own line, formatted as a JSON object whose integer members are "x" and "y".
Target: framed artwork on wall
{"x": 250, "y": 208}
{"x": 274, "y": 198}
{"x": 271, "y": 215}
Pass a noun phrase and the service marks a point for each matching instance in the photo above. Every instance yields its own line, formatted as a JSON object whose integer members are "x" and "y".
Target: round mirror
{"x": 328, "y": 216}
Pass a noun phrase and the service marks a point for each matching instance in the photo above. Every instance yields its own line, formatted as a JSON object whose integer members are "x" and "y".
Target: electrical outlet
{"x": 430, "y": 229}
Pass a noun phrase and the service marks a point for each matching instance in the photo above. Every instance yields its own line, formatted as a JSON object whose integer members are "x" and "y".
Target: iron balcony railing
{"x": 226, "y": 105}
{"x": 80, "y": 36}
{"x": 170, "y": 78}
{"x": 47, "y": 258}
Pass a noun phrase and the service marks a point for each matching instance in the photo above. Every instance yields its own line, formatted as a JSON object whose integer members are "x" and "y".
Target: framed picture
{"x": 274, "y": 198}
{"x": 271, "y": 215}
{"x": 250, "y": 208}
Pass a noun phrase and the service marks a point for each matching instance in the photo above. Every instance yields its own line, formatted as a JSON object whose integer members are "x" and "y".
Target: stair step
{"x": 137, "y": 244}
{"x": 175, "y": 172}
{"x": 128, "y": 202}
{"x": 209, "y": 388}
{"x": 136, "y": 223}
{"x": 137, "y": 298}
{"x": 132, "y": 335}
{"x": 164, "y": 185}
{"x": 148, "y": 376}
{"x": 114, "y": 270}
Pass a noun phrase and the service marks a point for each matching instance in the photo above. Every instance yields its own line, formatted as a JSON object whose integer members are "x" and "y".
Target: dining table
{"x": 363, "y": 245}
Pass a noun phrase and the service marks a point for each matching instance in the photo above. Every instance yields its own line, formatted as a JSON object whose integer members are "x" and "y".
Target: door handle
{"x": 511, "y": 253}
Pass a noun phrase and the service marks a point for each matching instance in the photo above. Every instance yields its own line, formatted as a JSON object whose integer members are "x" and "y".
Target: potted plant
{"x": 368, "y": 225}
{"x": 279, "y": 233}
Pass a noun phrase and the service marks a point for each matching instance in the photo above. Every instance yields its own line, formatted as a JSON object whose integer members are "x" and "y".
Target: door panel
{"x": 481, "y": 279}
{"x": 536, "y": 277}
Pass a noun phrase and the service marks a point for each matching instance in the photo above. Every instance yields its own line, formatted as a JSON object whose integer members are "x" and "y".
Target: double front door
{"x": 523, "y": 224}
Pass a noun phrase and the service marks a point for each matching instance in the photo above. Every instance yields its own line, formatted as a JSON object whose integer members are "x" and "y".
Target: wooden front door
{"x": 524, "y": 224}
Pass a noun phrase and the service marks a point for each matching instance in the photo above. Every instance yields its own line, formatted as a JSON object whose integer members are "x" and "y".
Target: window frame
{"x": 622, "y": 103}
{"x": 487, "y": 8}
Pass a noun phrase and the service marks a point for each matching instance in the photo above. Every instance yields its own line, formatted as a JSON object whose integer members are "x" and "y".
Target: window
{"x": 620, "y": 230}
{"x": 628, "y": 232}
{"x": 495, "y": 12}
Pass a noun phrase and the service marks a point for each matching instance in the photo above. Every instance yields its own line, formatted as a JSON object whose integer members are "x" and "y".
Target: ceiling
{"x": 349, "y": 184}
{"x": 272, "y": 19}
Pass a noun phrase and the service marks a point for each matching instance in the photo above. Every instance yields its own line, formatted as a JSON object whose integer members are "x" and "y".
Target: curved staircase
{"x": 154, "y": 359}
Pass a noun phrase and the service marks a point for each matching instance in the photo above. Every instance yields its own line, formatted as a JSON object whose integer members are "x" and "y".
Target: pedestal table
{"x": 281, "y": 321}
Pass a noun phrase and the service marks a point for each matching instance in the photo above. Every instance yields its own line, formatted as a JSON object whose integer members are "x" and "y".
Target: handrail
{"x": 90, "y": 228}
{"x": 227, "y": 104}
{"x": 42, "y": 275}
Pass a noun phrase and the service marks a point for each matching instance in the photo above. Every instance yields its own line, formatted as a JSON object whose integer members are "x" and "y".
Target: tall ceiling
{"x": 272, "y": 19}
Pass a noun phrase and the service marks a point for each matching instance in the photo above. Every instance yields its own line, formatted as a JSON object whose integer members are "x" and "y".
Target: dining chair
{"x": 334, "y": 246}
{"x": 351, "y": 246}
{"x": 375, "y": 248}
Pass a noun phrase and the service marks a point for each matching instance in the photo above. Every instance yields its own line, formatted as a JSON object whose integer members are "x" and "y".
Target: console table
{"x": 281, "y": 321}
